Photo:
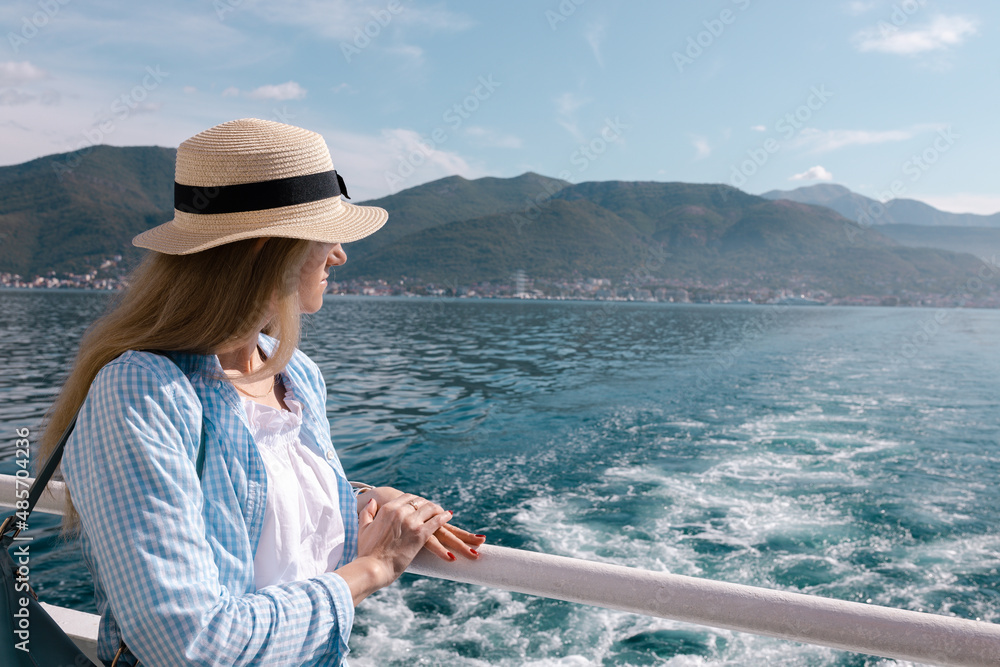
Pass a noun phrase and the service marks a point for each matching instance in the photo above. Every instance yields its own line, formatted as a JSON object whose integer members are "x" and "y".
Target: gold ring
{"x": 412, "y": 504}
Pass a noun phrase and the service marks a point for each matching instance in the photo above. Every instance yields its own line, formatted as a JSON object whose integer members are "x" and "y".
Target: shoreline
{"x": 866, "y": 301}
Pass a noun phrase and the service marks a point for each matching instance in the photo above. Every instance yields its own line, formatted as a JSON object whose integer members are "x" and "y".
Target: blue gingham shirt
{"x": 172, "y": 556}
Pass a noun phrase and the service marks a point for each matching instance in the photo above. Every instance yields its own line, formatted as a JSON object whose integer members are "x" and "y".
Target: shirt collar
{"x": 207, "y": 365}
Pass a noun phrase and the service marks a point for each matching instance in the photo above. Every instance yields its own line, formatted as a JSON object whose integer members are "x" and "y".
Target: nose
{"x": 337, "y": 256}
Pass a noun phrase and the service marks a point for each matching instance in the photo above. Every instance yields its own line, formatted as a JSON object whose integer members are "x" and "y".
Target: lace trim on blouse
{"x": 303, "y": 531}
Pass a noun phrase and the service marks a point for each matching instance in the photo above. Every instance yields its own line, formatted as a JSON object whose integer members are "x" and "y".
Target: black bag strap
{"x": 45, "y": 474}
{"x": 41, "y": 480}
{"x": 49, "y": 467}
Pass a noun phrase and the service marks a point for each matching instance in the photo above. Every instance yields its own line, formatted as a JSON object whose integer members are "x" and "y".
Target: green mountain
{"x": 869, "y": 211}
{"x": 982, "y": 242}
{"x": 667, "y": 231}
{"x": 564, "y": 239}
{"x": 68, "y": 212}
{"x": 450, "y": 199}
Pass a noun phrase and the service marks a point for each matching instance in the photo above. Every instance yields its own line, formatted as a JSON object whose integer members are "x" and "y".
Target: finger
{"x": 403, "y": 501}
{"x": 363, "y": 499}
{"x": 423, "y": 519}
{"x": 465, "y": 536}
{"x": 367, "y": 514}
{"x": 428, "y": 510}
{"x": 454, "y": 543}
{"x": 433, "y": 524}
{"x": 434, "y": 546}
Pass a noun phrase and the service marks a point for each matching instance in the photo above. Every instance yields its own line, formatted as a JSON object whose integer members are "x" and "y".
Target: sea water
{"x": 844, "y": 452}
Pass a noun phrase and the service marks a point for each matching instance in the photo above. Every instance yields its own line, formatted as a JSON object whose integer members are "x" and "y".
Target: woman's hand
{"x": 396, "y": 531}
{"x": 446, "y": 543}
{"x": 389, "y": 537}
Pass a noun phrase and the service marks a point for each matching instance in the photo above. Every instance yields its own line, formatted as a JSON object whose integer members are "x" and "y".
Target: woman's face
{"x": 312, "y": 279}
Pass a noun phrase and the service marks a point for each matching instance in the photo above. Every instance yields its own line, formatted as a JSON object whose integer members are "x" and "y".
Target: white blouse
{"x": 303, "y": 532}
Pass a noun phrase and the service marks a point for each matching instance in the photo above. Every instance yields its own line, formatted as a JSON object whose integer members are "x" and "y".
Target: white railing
{"x": 850, "y": 626}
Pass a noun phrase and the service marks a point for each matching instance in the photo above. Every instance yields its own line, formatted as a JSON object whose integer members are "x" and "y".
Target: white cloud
{"x": 858, "y": 7}
{"x": 822, "y": 141}
{"x": 336, "y": 19}
{"x": 965, "y": 203}
{"x": 409, "y": 52}
{"x": 482, "y": 136}
{"x": 816, "y": 173}
{"x": 190, "y": 90}
{"x": 407, "y": 142}
{"x": 17, "y": 73}
{"x": 435, "y": 18}
{"x": 701, "y": 147}
{"x": 68, "y": 34}
{"x": 47, "y": 129}
{"x": 356, "y": 27}
{"x": 280, "y": 92}
{"x": 567, "y": 105}
{"x": 343, "y": 20}
{"x": 147, "y": 107}
{"x": 11, "y": 97}
{"x": 594, "y": 34}
{"x": 941, "y": 33}
{"x": 759, "y": 128}
{"x": 366, "y": 161}
{"x": 343, "y": 88}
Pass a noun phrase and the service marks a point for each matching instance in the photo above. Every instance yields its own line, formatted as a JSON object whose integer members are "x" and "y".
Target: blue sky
{"x": 870, "y": 94}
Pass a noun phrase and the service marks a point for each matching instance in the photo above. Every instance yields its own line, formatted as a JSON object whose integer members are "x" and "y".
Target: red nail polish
{"x": 482, "y": 536}
{"x": 474, "y": 551}
{"x": 451, "y": 555}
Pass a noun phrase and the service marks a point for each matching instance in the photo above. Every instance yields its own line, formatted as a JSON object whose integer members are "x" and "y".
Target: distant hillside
{"x": 704, "y": 232}
{"x": 450, "y": 199}
{"x": 66, "y": 212}
{"x": 913, "y": 212}
{"x": 853, "y": 206}
{"x": 570, "y": 239}
{"x": 979, "y": 241}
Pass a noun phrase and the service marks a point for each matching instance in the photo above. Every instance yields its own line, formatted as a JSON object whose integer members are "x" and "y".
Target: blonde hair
{"x": 206, "y": 302}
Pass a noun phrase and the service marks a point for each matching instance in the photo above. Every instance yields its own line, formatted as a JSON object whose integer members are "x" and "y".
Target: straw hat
{"x": 251, "y": 178}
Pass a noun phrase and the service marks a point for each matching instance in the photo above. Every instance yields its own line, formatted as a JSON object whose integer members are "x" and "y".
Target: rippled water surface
{"x": 850, "y": 453}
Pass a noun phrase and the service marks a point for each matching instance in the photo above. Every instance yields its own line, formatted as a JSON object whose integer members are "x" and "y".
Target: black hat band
{"x": 258, "y": 196}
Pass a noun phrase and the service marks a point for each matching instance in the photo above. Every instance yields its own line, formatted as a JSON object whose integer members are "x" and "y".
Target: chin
{"x": 307, "y": 306}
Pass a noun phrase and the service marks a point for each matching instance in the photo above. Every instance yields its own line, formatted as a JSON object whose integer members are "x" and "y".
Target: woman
{"x": 214, "y": 513}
